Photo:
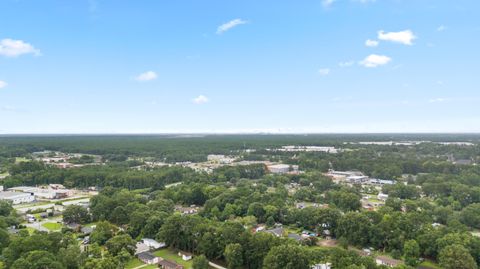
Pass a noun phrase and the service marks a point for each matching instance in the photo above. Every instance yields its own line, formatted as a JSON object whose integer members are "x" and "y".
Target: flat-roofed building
{"x": 17, "y": 197}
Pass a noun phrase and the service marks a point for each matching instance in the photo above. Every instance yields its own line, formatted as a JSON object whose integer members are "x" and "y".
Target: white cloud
{"x": 14, "y": 48}
{"x": 441, "y": 28}
{"x": 371, "y": 43}
{"x": 346, "y": 64}
{"x": 437, "y": 100}
{"x": 324, "y": 71}
{"x": 365, "y": 1}
{"x": 3, "y": 84}
{"x": 327, "y": 3}
{"x": 404, "y": 37}
{"x": 201, "y": 99}
{"x": 147, "y": 76}
{"x": 374, "y": 60}
{"x": 229, "y": 25}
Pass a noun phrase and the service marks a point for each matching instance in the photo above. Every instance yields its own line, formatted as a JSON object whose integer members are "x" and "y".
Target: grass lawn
{"x": 21, "y": 160}
{"x": 429, "y": 264}
{"x": 171, "y": 255}
{"x": 52, "y": 226}
{"x": 135, "y": 262}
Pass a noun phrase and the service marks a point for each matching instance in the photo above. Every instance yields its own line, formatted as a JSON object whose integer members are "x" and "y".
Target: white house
{"x": 185, "y": 255}
{"x": 153, "y": 244}
{"x": 382, "y": 196}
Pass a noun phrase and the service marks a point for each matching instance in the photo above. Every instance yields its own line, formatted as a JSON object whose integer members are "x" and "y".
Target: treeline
{"x": 34, "y": 173}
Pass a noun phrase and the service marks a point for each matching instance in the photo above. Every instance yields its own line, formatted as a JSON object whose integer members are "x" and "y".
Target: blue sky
{"x": 145, "y": 66}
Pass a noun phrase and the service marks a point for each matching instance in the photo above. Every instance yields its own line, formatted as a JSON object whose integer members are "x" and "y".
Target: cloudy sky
{"x": 140, "y": 66}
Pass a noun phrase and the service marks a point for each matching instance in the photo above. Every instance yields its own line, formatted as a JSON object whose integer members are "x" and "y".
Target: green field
{"x": 52, "y": 226}
{"x": 134, "y": 263}
{"x": 171, "y": 255}
{"x": 21, "y": 160}
{"x": 429, "y": 264}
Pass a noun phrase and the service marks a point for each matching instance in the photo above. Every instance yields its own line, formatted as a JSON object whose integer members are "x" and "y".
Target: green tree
{"x": 470, "y": 216}
{"x": 286, "y": 257}
{"x": 200, "y": 262}
{"x": 120, "y": 242}
{"x": 411, "y": 251}
{"x": 234, "y": 255}
{"x": 76, "y": 214}
{"x": 103, "y": 231}
{"x": 456, "y": 257}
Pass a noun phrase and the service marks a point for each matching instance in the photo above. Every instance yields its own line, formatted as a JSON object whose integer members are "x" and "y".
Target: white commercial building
{"x": 282, "y": 168}
{"x": 17, "y": 197}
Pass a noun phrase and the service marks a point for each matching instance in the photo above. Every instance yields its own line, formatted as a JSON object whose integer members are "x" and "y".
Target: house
{"x": 322, "y": 266}
{"x": 166, "y": 264}
{"x": 186, "y": 256}
{"x": 148, "y": 258}
{"x": 278, "y": 232}
{"x": 387, "y": 261}
{"x": 16, "y": 197}
{"x": 382, "y": 196}
{"x": 295, "y": 237}
{"x": 141, "y": 247}
{"x": 152, "y": 244}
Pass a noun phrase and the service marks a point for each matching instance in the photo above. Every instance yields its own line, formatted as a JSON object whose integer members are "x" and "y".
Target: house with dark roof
{"x": 278, "y": 232}
{"x": 148, "y": 258}
{"x": 295, "y": 237}
{"x": 166, "y": 264}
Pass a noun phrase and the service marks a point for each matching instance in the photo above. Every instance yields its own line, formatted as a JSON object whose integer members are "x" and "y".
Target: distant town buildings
{"x": 308, "y": 149}
{"x": 222, "y": 159}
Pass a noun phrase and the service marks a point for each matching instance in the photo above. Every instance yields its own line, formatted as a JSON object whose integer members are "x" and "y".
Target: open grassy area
{"x": 430, "y": 265}
{"x": 4, "y": 174}
{"x": 135, "y": 262}
{"x": 52, "y": 226}
{"x": 21, "y": 160}
{"x": 171, "y": 255}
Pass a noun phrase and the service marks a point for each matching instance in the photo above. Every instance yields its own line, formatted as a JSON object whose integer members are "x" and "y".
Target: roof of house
{"x": 388, "y": 260}
{"x": 168, "y": 264}
{"x": 185, "y": 253}
{"x": 146, "y": 256}
{"x": 277, "y": 231}
{"x": 295, "y": 237}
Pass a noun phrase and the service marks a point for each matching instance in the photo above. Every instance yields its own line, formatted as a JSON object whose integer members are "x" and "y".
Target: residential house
{"x": 166, "y": 264}
{"x": 295, "y": 237}
{"x": 148, "y": 258}
{"x": 278, "y": 232}
{"x": 186, "y": 256}
{"x": 387, "y": 261}
{"x": 152, "y": 244}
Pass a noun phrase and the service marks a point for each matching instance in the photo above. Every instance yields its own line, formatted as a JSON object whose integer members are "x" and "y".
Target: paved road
{"x": 24, "y": 209}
